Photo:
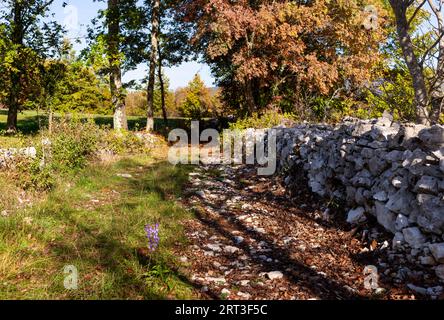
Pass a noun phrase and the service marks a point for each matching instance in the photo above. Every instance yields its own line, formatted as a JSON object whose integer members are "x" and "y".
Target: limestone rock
{"x": 427, "y": 184}
{"x": 440, "y": 272}
{"x": 275, "y": 275}
{"x": 414, "y": 237}
{"x": 398, "y": 240}
{"x": 385, "y": 217}
{"x": 401, "y": 202}
{"x": 433, "y": 137}
{"x": 356, "y": 216}
{"x": 381, "y": 196}
{"x": 427, "y": 261}
{"x": 431, "y": 216}
{"x": 437, "y": 250}
{"x": 401, "y": 222}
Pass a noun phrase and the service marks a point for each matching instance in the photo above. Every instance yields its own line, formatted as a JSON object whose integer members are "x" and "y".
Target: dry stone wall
{"x": 392, "y": 171}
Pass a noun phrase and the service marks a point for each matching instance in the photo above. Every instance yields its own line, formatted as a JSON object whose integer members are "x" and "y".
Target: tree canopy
{"x": 319, "y": 60}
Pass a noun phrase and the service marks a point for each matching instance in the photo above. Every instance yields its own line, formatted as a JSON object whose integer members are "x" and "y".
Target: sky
{"x": 79, "y": 13}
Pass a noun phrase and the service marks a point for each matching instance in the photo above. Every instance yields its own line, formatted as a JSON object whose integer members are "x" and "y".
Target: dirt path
{"x": 250, "y": 241}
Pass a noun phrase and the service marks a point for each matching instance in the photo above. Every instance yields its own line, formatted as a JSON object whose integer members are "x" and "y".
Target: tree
{"x": 437, "y": 83}
{"x": 415, "y": 68}
{"x": 429, "y": 90}
{"x": 30, "y": 41}
{"x": 155, "y": 16}
{"x": 163, "y": 99}
{"x": 169, "y": 47}
{"x": 197, "y": 101}
{"x": 80, "y": 89}
{"x": 117, "y": 96}
{"x": 285, "y": 53}
{"x": 393, "y": 89}
{"x": 117, "y": 35}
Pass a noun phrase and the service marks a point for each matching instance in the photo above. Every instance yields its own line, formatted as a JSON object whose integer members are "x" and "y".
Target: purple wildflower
{"x": 152, "y": 233}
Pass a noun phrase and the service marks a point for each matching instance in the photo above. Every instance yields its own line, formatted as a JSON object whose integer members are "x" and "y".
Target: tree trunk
{"x": 162, "y": 91}
{"x": 437, "y": 92}
{"x": 50, "y": 120}
{"x": 153, "y": 64}
{"x": 117, "y": 97}
{"x": 249, "y": 97}
{"x": 11, "y": 124}
{"x": 14, "y": 91}
{"x": 421, "y": 94}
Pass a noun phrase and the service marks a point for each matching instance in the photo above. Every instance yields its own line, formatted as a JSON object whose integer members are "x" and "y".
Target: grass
{"x": 29, "y": 123}
{"x": 95, "y": 221}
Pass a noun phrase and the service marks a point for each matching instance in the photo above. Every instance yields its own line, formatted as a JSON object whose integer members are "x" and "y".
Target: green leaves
{"x": 197, "y": 100}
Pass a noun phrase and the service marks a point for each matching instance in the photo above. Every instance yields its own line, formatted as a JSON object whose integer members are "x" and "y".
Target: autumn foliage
{"x": 286, "y": 52}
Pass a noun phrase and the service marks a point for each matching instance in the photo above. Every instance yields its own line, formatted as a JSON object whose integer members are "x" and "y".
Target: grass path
{"x": 95, "y": 222}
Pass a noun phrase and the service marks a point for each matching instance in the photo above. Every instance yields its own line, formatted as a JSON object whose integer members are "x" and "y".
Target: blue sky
{"x": 78, "y": 15}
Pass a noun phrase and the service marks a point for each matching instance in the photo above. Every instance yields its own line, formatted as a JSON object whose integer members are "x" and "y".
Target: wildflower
{"x": 152, "y": 233}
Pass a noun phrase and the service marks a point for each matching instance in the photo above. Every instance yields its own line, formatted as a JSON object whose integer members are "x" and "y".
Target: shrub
{"x": 69, "y": 146}
{"x": 72, "y": 143}
{"x": 31, "y": 174}
{"x": 268, "y": 119}
{"x": 122, "y": 142}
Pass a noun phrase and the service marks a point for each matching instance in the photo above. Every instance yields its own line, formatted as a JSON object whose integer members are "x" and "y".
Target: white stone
{"x": 201, "y": 194}
{"x": 275, "y": 275}
{"x": 226, "y": 292}
{"x": 30, "y": 152}
{"x": 414, "y": 237}
{"x": 204, "y": 289}
{"x": 245, "y": 296}
{"x": 214, "y": 247}
{"x": 124, "y": 175}
{"x": 216, "y": 280}
{"x": 244, "y": 283}
{"x": 397, "y": 182}
{"x": 260, "y": 230}
{"x": 231, "y": 249}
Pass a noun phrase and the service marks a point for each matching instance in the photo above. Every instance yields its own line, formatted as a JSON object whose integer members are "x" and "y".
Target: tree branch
{"x": 441, "y": 35}
{"x": 415, "y": 13}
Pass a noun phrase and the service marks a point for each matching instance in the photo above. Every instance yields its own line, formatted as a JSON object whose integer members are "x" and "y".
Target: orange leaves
{"x": 317, "y": 46}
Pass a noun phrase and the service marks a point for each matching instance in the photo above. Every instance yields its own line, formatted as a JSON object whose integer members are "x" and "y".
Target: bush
{"x": 72, "y": 143}
{"x": 69, "y": 146}
{"x": 268, "y": 119}
{"x": 122, "y": 142}
{"x": 31, "y": 174}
